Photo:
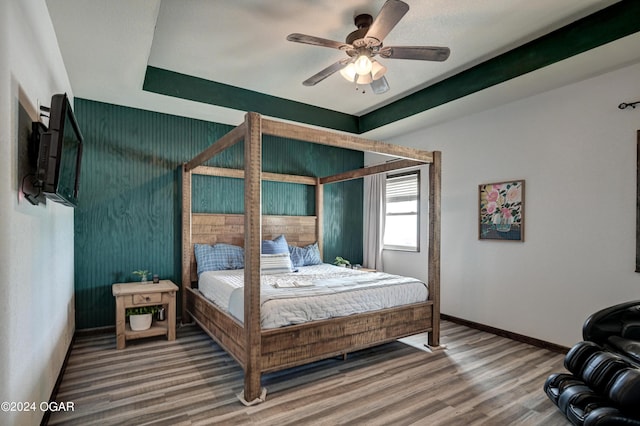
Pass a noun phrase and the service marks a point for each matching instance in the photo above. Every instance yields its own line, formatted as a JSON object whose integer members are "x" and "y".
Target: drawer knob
{"x": 147, "y": 298}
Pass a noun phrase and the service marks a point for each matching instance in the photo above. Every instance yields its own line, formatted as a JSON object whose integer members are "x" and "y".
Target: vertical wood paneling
{"x": 128, "y": 214}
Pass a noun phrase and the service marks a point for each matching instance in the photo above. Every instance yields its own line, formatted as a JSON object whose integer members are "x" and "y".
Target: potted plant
{"x": 143, "y": 274}
{"x": 141, "y": 318}
{"x": 341, "y": 261}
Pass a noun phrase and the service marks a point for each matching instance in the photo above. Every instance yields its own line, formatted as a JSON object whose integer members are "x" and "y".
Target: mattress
{"x": 312, "y": 293}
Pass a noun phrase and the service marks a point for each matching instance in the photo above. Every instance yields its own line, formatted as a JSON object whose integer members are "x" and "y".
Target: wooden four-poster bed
{"x": 260, "y": 350}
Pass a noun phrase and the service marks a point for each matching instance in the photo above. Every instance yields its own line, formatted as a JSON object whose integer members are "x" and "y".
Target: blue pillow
{"x": 218, "y": 257}
{"x": 305, "y": 256}
{"x": 277, "y": 246}
{"x": 297, "y": 256}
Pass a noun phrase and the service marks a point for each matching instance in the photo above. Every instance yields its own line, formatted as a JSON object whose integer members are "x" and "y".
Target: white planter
{"x": 140, "y": 322}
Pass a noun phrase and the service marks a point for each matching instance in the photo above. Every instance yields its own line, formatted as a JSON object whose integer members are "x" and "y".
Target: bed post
{"x": 435, "y": 170}
{"x": 187, "y": 247}
{"x": 252, "y": 239}
{"x": 319, "y": 219}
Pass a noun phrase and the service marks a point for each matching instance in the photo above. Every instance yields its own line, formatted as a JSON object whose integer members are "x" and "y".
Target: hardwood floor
{"x": 480, "y": 379}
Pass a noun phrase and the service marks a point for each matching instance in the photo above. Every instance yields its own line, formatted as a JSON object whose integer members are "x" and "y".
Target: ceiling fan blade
{"x": 317, "y": 41}
{"x": 388, "y": 17}
{"x": 421, "y": 53}
{"x": 317, "y": 78}
{"x": 380, "y": 85}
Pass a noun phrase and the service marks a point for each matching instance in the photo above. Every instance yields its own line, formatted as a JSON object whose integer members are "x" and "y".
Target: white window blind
{"x": 402, "y": 188}
{"x": 402, "y": 205}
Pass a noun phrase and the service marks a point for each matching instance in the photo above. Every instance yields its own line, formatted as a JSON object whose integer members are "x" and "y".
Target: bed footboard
{"x": 294, "y": 345}
{"x": 300, "y": 344}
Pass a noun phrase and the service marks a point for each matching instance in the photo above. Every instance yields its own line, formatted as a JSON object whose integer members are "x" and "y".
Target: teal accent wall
{"x": 128, "y": 214}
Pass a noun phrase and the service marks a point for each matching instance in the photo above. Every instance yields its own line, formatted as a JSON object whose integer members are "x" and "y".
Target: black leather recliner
{"x": 616, "y": 328}
{"x": 603, "y": 386}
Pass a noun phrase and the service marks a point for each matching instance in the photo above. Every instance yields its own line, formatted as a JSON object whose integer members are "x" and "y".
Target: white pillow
{"x": 275, "y": 263}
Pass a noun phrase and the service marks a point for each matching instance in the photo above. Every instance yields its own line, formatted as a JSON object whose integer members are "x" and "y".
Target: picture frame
{"x": 501, "y": 211}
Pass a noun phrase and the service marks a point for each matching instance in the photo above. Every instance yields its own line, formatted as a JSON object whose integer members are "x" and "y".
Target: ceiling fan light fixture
{"x": 363, "y": 65}
{"x": 365, "y": 79}
{"x": 349, "y": 72}
{"x": 377, "y": 70}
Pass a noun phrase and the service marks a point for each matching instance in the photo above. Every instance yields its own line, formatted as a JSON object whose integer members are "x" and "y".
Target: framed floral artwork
{"x": 501, "y": 208}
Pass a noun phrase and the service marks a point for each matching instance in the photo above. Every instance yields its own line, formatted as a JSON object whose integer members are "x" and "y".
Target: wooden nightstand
{"x": 131, "y": 295}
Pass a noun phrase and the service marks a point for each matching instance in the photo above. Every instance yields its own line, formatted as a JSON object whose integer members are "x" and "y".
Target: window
{"x": 402, "y": 226}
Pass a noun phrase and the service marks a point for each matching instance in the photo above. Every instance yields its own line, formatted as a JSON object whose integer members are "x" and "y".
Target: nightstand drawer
{"x": 140, "y": 299}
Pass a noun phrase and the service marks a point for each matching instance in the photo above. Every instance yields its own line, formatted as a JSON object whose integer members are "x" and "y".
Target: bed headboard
{"x": 212, "y": 228}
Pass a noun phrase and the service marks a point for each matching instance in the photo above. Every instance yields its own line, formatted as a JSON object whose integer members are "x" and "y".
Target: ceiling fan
{"x": 363, "y": 44}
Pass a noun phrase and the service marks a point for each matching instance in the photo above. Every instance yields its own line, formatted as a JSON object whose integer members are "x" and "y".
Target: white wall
{"x": 577, "y": 152}
{"x": 36, "y": 242}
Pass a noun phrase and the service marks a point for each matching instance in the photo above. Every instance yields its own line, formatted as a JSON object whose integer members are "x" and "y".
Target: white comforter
{"x": 313, "y": 293}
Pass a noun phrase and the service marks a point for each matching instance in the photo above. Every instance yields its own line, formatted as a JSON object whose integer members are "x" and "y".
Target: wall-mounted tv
{"x": 60, "y": 154}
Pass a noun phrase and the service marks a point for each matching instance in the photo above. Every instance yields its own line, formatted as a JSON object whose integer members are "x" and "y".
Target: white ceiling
{"x": 107, "y": 44}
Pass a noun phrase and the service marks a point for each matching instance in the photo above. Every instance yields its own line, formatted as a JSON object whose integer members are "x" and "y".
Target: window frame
{"x": 392, "y": 247}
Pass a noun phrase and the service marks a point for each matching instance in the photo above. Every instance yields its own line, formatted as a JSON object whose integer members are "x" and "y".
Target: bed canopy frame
{"x": 259, "y": 351}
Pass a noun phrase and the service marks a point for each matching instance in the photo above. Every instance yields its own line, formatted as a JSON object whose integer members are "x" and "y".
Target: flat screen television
{"x": 60, "y": 154}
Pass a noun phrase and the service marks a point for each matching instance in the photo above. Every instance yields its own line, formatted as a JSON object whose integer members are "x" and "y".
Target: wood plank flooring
{"x": 480, "y": 379}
